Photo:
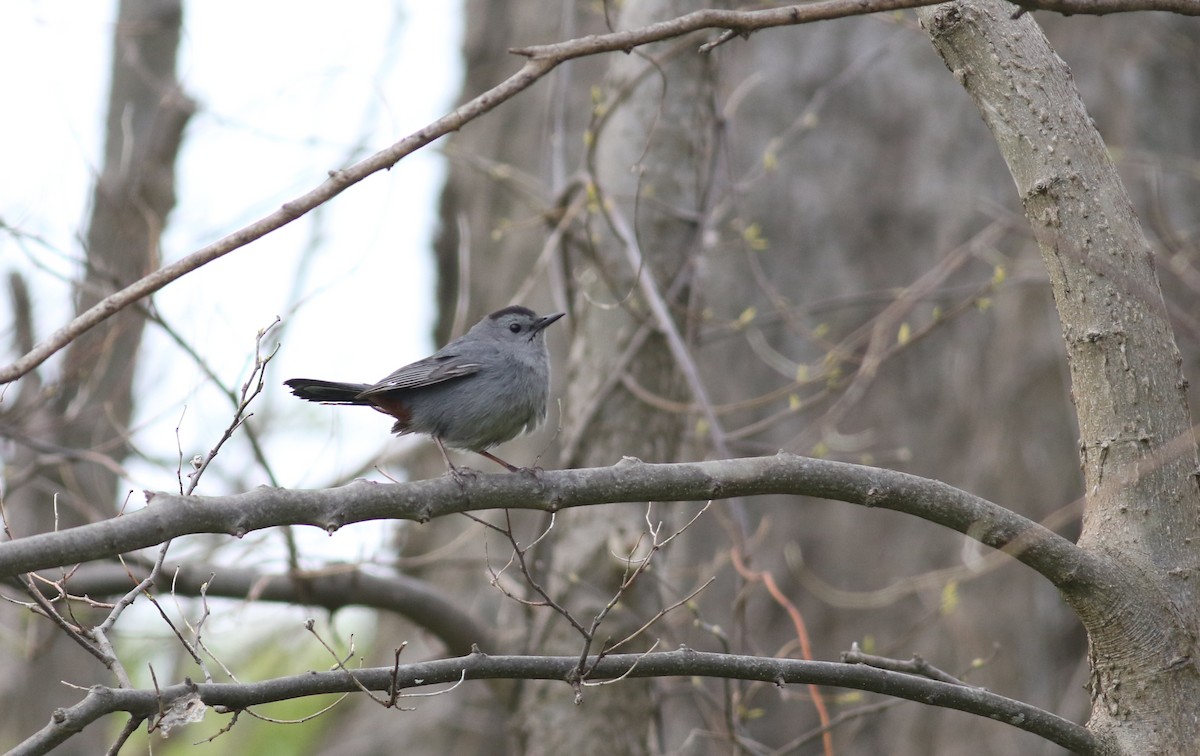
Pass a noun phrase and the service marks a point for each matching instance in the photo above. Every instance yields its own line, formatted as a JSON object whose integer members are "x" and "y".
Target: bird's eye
{"x": 514, "y": 327}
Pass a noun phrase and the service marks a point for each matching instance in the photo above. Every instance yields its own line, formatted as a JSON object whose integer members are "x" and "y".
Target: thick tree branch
{"x": 542, "y": 59}
{"x": 170, "y": 516}
{"x": 147, "y": 704}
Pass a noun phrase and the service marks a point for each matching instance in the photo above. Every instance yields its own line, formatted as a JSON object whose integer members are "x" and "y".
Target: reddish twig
{"x": 768, "y": 582}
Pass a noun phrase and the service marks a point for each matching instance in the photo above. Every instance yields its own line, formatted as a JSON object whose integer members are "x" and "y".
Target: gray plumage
{"x": 484, "y": 388}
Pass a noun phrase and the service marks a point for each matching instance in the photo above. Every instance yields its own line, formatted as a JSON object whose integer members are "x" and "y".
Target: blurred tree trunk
{"x": 81, "y": 421}
{"x": 505, "y": 172}
{"x": 654, "y": 134}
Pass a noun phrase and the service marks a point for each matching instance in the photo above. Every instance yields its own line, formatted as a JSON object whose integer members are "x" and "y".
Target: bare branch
{"x": 101, "y": 701}
{"x": 73, "y": 632}
{"x": 333, "y": 588}
{"x": 250, "y": 390}
{"x": 914, "y": 666}
{"x": 126, "y": 732}
{"x": 170, "y": 516}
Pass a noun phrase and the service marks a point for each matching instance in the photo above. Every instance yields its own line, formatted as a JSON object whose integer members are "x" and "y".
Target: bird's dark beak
{"x": 543, "y": 322}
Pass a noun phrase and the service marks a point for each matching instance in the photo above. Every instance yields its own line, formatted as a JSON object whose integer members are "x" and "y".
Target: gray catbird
{"x": 484, "y": 388}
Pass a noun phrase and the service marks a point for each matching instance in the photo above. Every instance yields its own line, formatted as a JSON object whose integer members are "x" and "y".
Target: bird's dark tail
{"x": 327, "y": 392}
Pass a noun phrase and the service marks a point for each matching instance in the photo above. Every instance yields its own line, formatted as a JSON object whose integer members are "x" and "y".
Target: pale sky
{"x": 286, "y": 90}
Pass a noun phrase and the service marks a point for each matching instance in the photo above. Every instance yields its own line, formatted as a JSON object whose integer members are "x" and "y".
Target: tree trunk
{"x": 88, "y": 409}
{"x": 654, "y": 134}
{"x": 1138, "y": 450}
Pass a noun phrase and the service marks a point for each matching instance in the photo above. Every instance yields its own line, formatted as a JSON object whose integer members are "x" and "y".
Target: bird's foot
{"x": 462, "y": 475}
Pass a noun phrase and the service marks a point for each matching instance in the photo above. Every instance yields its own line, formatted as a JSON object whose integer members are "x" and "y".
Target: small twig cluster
{"x": 652, "y": 540}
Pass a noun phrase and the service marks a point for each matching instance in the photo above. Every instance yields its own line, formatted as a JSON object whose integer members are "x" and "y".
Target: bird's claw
{"x": 462, "y": 474}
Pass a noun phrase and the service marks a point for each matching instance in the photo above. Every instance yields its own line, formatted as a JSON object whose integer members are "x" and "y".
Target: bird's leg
{"x": 497, "y": 460}
{"x": 450, "y": 468}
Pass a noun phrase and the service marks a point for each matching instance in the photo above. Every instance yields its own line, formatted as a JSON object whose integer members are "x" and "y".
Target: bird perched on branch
{"x": 484, "y": 388}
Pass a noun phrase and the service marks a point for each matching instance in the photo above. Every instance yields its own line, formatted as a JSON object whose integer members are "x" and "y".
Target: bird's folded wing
{"x": 426, "y": 372}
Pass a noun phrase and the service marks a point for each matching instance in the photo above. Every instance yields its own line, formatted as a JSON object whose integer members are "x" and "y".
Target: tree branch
{"x": 170, "y": 516}
{"x": 101, "y": 701}
{"x": 683, "y": 663}
{"x": 333, "y": 588}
